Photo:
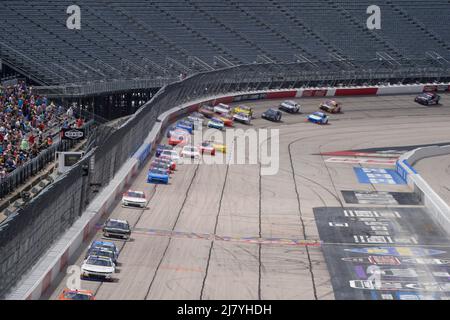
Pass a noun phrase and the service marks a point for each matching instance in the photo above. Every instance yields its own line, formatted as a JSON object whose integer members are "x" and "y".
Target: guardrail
{"x": 437, "y": 207}
{"x": 55, "y": 260}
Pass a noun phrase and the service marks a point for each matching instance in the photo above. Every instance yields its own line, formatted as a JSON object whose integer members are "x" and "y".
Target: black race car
{"x": 428, "y": 98}
{"x": 117, "y": 229}
{"x": 272, "y": 115}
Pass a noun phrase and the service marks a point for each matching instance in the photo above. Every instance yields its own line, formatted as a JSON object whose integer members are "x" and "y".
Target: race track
{"x": 235, "y": 204}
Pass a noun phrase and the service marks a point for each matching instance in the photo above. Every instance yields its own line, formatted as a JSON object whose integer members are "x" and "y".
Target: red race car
{"x": 168, "y": 160}
{"x": 179, "y": 137}
{"x": 228, "y": 121}
{"x": 207, "y": 148}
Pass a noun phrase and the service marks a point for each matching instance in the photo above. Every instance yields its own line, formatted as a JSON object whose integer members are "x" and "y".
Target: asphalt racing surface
{"x": 228, "y": 232}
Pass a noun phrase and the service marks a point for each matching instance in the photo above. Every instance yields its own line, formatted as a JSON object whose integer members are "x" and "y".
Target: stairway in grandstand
{"x": 126, "y": 39}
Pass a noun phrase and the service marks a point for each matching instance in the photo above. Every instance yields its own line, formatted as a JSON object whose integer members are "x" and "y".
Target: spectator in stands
{"x": 26, "y": 124}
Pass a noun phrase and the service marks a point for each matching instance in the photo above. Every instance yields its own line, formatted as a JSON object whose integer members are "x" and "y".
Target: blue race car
{"x": 216, "y": 123}
{"x": 160, "y": 148}
{"x": 158, "y": 175}
{"x": 98, "y": 244}
{"x": 318, "y": 118}
{"x": 185, "y": 125}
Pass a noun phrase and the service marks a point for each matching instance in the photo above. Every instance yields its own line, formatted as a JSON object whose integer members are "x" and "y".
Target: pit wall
{"x": 55, "y": 261}
{"x": 434, "y": 204}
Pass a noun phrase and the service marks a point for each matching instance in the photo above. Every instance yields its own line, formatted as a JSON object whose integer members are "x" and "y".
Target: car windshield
{"x": 134, "y": 194}
{"x": 99, "y": 262}
{"x": 271, "y": 111}
{"x": 206, "y": 144}
{"x": 117, "y": 224}
{"x": 157, "y": 171}
{"x": 108, "y": 245}
{"x": 101, "y": 253}
{"x": 290, "y": 103}
{"x": 73, "y": 295}
{"x": 191, "y": 149}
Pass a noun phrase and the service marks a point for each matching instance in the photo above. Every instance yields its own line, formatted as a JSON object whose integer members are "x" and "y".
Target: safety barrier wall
{"x": 437, "y": 207}
{"x": 37, "y": 281}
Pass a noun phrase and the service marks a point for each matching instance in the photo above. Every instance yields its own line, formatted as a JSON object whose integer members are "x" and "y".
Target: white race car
{"x": 190, "y": 152}
{"x": 170, "y": 154}
{"x": 222, "y": 109}
{"x": 134, "y": 199}
{"x": 290, "y": 106}
{"x": 242, "y": 117}
{"x": 98, "y": 267}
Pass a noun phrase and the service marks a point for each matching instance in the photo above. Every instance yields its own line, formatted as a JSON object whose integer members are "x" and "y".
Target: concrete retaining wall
{"x": 437, "y": 207}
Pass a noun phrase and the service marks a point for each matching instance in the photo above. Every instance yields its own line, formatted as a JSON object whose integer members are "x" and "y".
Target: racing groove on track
{"x": 236, "y": 201}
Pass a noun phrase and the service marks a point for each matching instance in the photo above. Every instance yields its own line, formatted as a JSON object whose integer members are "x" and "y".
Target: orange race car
{"x": 228, "y": 121}
{"x": 68, "y": 294}
{"x": 331, "y": 106}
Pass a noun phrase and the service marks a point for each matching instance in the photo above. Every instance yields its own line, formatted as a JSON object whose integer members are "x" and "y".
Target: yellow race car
{"x": 219, "y": 146}
{"x": 243, "y": 109}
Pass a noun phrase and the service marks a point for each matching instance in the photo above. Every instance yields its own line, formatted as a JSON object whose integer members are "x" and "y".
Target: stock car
{"x": 98, "y": 267}
{"x": 216, "y": 123}
{"x": 244, "y": 109}
{"x": 157, "y": 175}
{"x": 162, "y": 163}
{"x": 185, "y": 125}
{"x": 178, "y": 137}
{"x": 290, "y": 106}
{"x": 164, "y": 166}
{"x": 206, "y": 147}
{"x": 219, "y": 146}
{"x": 102, "y": 252}
{"x": 330, "y": 106}
{"x": 222, "y": 109}
{"x": 69, "y": 294}
{"x": 133, "y": 198}
{"x": 172, "y": 155}
{"x": 196, "y": 120}
{"x": 318, "y": 118}
{"x": 104, "y": 247}
{"x": 428, "y": 98}
{"x": 160, "y": 148}
{"x": 242, "y": 117}
{"x": 105, "y": 244}
{"x": 227, "y": 120}
{"x": 167, "y": 159}
{"x": 117, "y": 229}
{"x": 190, "y": 152}
{"x": 272, "y": 115}
{"x": 207, "y": 111}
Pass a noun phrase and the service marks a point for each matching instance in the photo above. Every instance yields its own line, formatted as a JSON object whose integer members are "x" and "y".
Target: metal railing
{"x": 297, "y": 74}
{"x": 26, "y": 235}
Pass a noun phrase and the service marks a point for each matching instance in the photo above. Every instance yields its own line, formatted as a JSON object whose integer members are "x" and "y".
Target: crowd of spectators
{"x": 27, "y": 123}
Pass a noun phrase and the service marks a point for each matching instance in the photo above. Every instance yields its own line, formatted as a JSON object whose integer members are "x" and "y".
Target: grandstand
{"x": 123, "y": 39}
